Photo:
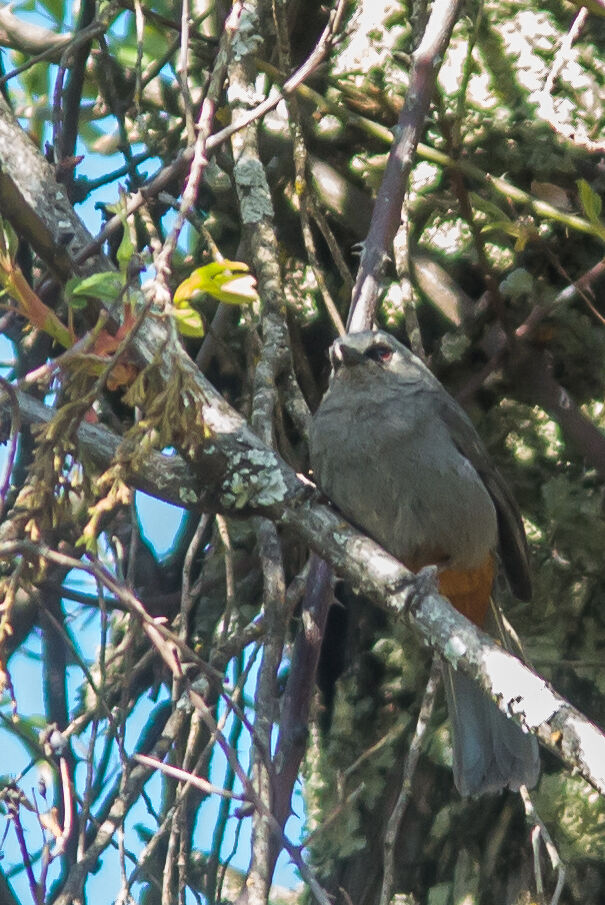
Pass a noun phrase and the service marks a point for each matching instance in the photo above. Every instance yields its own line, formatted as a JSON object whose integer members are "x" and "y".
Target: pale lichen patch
{"x": 256, "y": 480}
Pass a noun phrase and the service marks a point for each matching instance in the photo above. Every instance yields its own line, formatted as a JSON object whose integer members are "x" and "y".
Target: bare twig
{"x": 213, "y": 889}
{"x": 294, "y": 851}
{"x": 411, "y": 761}
{"x": 130, "y": 791}
{"x": 547, "y": 106}
{"x": 74, "y": 54}
{"x": 275, "y": 362}
{"x": 13, "y": 811}
{"x": 187, "y": 597}
{"x": 223, "y": 530}
{"x": 584, "y": 284}
{"x": 198, "y": 782}
{"x": 300, "y": 154}
{"x": 387, "y": 209}
{"x": 292, "y": 739}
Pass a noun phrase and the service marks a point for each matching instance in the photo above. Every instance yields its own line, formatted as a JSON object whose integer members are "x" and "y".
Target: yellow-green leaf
{"x": 126, "y": 248}
{"x": 509, "y": 227}
{"x": 189, "y": 322}
{"x": 228, "y": 281}
{"x": 488, "y": 207}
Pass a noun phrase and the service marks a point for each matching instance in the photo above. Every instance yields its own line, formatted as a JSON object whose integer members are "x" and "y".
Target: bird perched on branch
{"x": 402, "y": 461}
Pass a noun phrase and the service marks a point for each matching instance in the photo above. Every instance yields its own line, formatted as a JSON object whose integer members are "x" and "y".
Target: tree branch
{"x": 284, "y": 497}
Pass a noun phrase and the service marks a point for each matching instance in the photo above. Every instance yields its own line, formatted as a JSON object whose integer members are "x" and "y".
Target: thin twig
{"x": 387, "y": 209}
{"x": 411, "y": 762}
{"x": 223, "y": 530}
{"x": 294, "y": 851}
{"x": 187, "y": 597}
{"x": 13, "y": 439}
{"x": 540, "y": 830}
{"x": 303, "y": 192}
{"x": 198, "y": 782}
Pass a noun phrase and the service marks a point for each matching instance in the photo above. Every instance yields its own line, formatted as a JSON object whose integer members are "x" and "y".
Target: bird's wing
{"x": 513, "y": 543}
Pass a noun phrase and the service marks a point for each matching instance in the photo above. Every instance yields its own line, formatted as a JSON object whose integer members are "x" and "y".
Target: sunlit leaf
{"x": 126, "y": 249}
{"x": 228, "y": 281}
{"x": 8, "y": 240}
{"x": 487, "y": 207}
{"x": 509, "y": 227}
{"x": 105, "y": 286}
{"x": 30, "y": 304}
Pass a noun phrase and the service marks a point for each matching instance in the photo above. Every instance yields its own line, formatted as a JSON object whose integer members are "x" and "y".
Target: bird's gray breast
{"x": 393, "y": 469}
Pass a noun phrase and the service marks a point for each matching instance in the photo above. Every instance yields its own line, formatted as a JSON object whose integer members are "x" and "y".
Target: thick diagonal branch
{"x": 282, "y": 496}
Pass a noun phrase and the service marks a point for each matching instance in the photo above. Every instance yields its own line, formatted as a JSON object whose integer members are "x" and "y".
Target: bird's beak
{"x": 343, "y": 354}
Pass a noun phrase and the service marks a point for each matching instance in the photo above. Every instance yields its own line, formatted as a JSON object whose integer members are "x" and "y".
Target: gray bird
{"x": 402, "y": 461}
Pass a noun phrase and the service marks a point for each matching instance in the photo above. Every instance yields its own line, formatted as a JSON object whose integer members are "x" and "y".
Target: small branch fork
{"x": 516, "y": 688}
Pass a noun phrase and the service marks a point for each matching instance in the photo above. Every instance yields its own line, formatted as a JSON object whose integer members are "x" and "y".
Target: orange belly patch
{"x": 469, "y": 590}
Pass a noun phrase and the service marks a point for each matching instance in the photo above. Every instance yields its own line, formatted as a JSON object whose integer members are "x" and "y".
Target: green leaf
{"x": 228, "y": 281}
{"x": 55, "y": 9}
{"x": 105, "y": 286}
{"x": 590, "y": 201}
{"x": 27, "y": 730}
{"x": 189, "y": 321}
{"x": 8, "y": 239}
{"x": 522, "y": 233}
{"x": 126, "y": 250}
{"x": 487, "y": 207}
{"x": 75, "y": 302}
{"x": 518, "y": 282}
{"x": 509, "y": 227}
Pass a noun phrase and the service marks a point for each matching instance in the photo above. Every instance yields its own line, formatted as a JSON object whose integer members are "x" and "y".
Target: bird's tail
{"x": 491, "y": 752}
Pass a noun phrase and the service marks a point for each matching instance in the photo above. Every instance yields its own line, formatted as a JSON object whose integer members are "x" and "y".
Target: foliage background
{"x": 503, "y": 216}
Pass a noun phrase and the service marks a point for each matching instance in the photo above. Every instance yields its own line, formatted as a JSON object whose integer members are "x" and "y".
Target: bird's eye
{"x": 381, "y": 353}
